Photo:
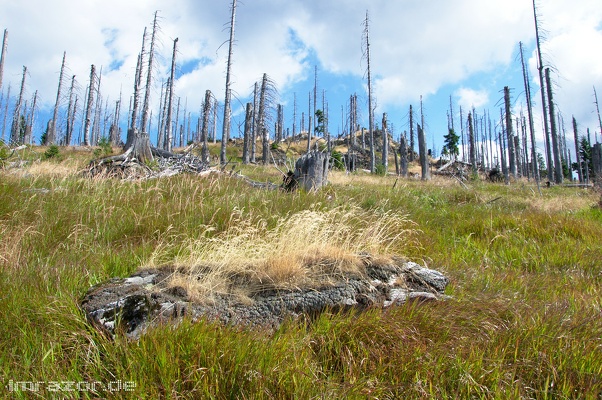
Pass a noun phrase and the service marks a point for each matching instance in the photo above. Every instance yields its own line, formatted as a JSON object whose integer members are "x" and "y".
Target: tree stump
{"x": 311, "y": 172}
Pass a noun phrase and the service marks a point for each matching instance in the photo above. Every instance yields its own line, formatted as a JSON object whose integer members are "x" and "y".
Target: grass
{"x": 525, "y": 319}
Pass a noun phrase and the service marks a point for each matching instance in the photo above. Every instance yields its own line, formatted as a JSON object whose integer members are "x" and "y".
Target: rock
{"x": 145, "y": 299}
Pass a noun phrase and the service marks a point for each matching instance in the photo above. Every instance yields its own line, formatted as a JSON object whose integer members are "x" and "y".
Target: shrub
{"x": 53, "y": 152}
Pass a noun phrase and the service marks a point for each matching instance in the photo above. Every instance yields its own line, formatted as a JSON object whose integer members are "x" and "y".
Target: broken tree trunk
{"x": 311, "y": 171}
{"x": 403, "y": 152}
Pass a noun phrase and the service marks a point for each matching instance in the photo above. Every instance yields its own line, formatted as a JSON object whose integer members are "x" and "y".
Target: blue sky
{"x": 466, "y": 49}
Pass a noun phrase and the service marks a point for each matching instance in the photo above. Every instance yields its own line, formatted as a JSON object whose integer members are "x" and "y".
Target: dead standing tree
{"x": 366, "y": 35}
{"x": 89, "y": 104}
{"x": 168, "y": 144}
{"x": 16, "y": 125}
{"x": 51, "y": 133}
{"x": 3, "y": 55}
{"x": 228, "y": 95}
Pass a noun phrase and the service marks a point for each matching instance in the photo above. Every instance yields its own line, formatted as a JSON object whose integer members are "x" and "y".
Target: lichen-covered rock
{"x": 145, "y": 299}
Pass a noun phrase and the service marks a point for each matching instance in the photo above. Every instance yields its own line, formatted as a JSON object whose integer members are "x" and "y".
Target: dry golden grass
{"x": 307, "y": 248}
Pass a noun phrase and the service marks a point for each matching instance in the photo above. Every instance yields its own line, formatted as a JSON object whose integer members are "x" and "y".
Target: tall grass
{"x": 524, "y": 320}
{"x": 309, "y": 248}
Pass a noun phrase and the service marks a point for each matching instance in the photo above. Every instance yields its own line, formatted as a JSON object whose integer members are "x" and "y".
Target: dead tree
{"x": 530, "y": 115}
{"x": 167, "y": 145}
{"x": 385, "y": 138}
{"x": 247, "y": 134}
{"x": 471, "y": 143}
{"x": 403, "y": 152}
{"x": 15, "y": 131}
{"x": 3, "y": 55}
{"x": 580, "y": 173}
{"x": 136, "y": 97}
{"x": 509, "y": 133}
{"x": 502, "y": 144}
{"x": 89, "y": 105}
{"x": 51, "y": 134}
{"x": 543, "y": 95}
{"x": 70, "y": 113}
{"x": 370, "y": 109}
{"x": 311, "y": 172}
{"x": 411, "y": 158}
{"x": 422, "y": 153}
{"x": 554, "y": 132}
{"x": 205, "y": 127}
{"x": 27, "y": 139}
{"x": 114, "y": 132}
{"x": 228, "y": 95}
{"x": 5, "y": 113}
{"x": 140, "y": 147}
{"x": 597, "y": 164}
{"x": 598, "y": 111}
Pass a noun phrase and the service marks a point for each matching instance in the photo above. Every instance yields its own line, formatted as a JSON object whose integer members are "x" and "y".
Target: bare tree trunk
{"x": 370, "y": 109}
{"x": 261, "y": 121}
{"x": 97, "y": 110}
{"x": 15, "y": 128}
{"x": 247, "y": 134}
{"x": 554, "y": 132}
{"x": 403, "y": 152}
{"x": 205, "y": 127}
{"x": 309, "y": 124}
{"x": 279, "y": 123}
{"x": 89, "y": 106}
{"x": 167, "y": 144}
{"x": 530, "y": 115}
{"x": 140, "y": 147}
{"x": 114, "y": 135}
{"x": 502, "y": 137}
{"x": 227, "y": 112}
{"x": 509, "y": 133}
{"x": 161, "y": 116}
{"x": 5, "y": 113}
{"x": 471, "y": 141}
{"x": 597, "y": 109}
{"x": 51, "y": 134}
{"x": 577, "y": 154}
{"x": 543, "y": 95}
{"x": 149, "y": 78}
{"x": 411, "y": 158}
{"x": 422, "y": 152}
{"x": 597, "y": 164}
{"x": 385, "y": 137}
{"x": 294, "y": 114}
{"x": 70, "y": 111}
{"x": 136, "y": 96}
{"x": 30, "y": 121}
{"x": 3, "y": 55}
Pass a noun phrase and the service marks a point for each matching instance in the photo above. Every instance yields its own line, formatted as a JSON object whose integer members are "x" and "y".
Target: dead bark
{"x": 172, "y": 75}
{"x": 422, "y": 151}
{"x": 385, "y": 138}
{"x": 311, "y": 171}
{"x": 247, "y": 133}
{"x": 89, "y": 105}
{"x": 15, "y": 131}
{"x": 554, "y": 131}
{"x": 51, "y": 134}
{"x": 3, "y": 55}
{"x": 228, "y": 95}
{"x": 205, "y": 127}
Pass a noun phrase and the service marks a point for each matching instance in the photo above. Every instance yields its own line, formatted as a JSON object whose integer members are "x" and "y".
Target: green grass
{"x": 524, "y": 321}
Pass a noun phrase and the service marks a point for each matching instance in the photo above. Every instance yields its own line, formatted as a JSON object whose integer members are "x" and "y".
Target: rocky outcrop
{"x": 145, "y": 299}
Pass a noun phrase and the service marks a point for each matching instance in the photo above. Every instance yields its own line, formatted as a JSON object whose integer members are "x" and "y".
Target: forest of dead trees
{"x": 502, "y": 146}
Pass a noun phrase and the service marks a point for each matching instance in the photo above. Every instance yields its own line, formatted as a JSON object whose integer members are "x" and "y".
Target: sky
{"x": 463, "y": 50}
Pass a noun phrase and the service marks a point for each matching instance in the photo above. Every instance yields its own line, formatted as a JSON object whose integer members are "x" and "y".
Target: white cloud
{"x": 465, "y": 47}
